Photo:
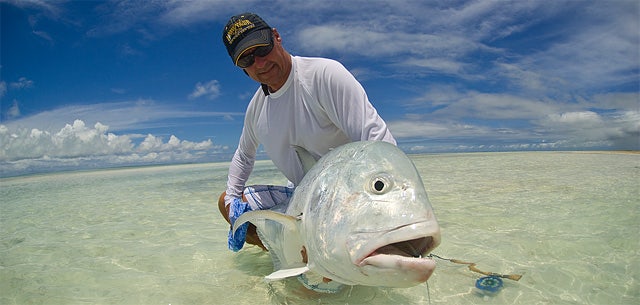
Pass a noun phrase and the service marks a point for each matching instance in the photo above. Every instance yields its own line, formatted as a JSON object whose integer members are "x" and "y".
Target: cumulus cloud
{"x": 73, "y": 140}
{"x": 590, "y": 129}
{"x": 155, "y": 144}
{"x": 210, "y": 90}
{"x": 25, "y": 149}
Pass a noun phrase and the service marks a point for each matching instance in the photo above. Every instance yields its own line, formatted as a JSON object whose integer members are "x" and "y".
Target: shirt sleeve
{"x": 244, "y": 157}
{"x": 347, "y": 105}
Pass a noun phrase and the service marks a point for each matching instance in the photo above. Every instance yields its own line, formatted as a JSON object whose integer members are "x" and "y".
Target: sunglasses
{"x": 246, "y": 61}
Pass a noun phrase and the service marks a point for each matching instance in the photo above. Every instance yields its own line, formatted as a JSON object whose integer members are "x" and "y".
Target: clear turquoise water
{"x": 569, "y": 222}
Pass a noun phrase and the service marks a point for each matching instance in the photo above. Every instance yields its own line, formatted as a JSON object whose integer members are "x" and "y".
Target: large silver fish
{"x": 360, "y": 216}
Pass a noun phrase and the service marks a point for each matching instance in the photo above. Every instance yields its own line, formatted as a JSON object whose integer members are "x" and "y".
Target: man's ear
{"x": 276, "y": 35}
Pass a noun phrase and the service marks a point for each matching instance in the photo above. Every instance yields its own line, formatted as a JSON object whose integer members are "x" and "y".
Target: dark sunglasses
{"x": 246, "y": 61}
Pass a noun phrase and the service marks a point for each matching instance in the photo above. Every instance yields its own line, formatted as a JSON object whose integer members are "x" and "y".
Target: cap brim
{"x": 258, "y": 38}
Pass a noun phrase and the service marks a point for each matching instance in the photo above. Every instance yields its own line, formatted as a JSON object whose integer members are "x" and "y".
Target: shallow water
{"x": 568, "y": 222}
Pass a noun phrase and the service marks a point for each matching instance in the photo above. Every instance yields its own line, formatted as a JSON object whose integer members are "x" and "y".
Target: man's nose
{"x": 259, "y": 61}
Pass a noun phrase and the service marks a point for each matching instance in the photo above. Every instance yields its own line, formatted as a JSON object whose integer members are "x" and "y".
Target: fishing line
{"x": 472, "y": 267}
{"x": 487, "y": 285}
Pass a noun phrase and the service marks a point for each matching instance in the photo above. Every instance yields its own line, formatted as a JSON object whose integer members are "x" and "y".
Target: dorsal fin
{"x": 307, "y": 160}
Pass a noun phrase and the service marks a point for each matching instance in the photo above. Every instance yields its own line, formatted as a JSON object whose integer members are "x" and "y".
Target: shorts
{"x": 263, "y": 197}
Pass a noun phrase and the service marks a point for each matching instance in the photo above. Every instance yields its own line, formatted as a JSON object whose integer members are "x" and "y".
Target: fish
{"x": 360, "y": 216}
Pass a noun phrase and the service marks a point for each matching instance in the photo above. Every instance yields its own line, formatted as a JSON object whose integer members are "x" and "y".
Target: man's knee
{"x": 224, "y": 209}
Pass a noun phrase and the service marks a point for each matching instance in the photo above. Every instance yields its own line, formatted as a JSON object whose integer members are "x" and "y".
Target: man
{"x": 313, "y": 103}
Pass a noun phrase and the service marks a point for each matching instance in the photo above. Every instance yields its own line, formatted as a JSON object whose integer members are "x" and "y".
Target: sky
{"x": 92, "y": 84}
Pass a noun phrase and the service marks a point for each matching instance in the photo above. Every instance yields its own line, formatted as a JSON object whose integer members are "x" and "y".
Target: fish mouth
{"x": 417, "y": 248}
{"x": 405, "y": 243}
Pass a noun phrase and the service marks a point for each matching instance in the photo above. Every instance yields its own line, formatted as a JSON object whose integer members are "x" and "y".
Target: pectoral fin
{"x": 281, "y": 236}
{"x": 289, "y": 222}
{"x": 285, "y": 273}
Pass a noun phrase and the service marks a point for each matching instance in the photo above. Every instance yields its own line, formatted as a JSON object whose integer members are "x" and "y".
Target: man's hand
{"x": 236, "y": 208}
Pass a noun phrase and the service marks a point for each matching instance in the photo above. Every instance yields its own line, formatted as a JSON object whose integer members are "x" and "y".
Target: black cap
{"x": 244, "y": 31}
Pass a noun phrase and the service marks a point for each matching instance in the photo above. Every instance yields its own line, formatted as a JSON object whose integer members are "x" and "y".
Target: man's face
{"x": 273, "y": 68}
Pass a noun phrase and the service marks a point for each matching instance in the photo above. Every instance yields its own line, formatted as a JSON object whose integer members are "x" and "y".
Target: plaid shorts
{"x": 262, "y": 197}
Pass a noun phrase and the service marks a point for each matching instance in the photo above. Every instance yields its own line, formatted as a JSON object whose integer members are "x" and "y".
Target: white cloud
{"x": 210, "y": 90}
{"x": 163, "y": 15}
{"x": 74, "y": 140}
{"x": 451, "y": 130}
{"x": 409, "y": 129}
{"x": 364, "y": 40}
{"x": 450, "y": 103}
{"x": 47, "y": 7}
{"x": 128, "y": 115}
{"x": 155, "y": 144}
{"x": 526, "y": 79}
{"x": 22, "y": 83}
{"x": 619, "y": 130}
{"x": 575, "y": 119}
{"x": 14, "y": 110}
{"x": 569, "y": 130}
{"x": 442, "y": 65}
{"x": 616, "y": 100}
{"x": 437, "y": 118}
{"x": 188, "y": 12}
{"x": 27, "y": 149}
{"x": 44, "y": 35}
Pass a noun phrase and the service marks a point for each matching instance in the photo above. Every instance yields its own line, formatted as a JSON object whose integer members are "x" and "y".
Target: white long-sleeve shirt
{"x": 321, "y": 106}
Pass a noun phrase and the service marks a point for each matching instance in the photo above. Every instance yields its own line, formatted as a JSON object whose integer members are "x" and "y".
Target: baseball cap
{"x": 244, "y": 31}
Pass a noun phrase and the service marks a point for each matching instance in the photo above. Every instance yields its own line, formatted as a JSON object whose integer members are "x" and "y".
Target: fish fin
{"x": 273, "y": 246}
{"x": 279, "y": 233}
{"x": 283, "y": 244}
{"x": 285, "y": 273}
{"x": 289, "y": 222}
{"x": 307, "y": 160}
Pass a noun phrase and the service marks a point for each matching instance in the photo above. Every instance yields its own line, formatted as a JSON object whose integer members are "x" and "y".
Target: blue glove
{"x": 237, "y": 208}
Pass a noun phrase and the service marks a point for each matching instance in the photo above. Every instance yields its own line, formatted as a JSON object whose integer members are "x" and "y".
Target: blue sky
{"x": 89, "y": 84}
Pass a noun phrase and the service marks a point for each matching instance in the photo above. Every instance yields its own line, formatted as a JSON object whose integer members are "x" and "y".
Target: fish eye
{"x": 380, "y": 184}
